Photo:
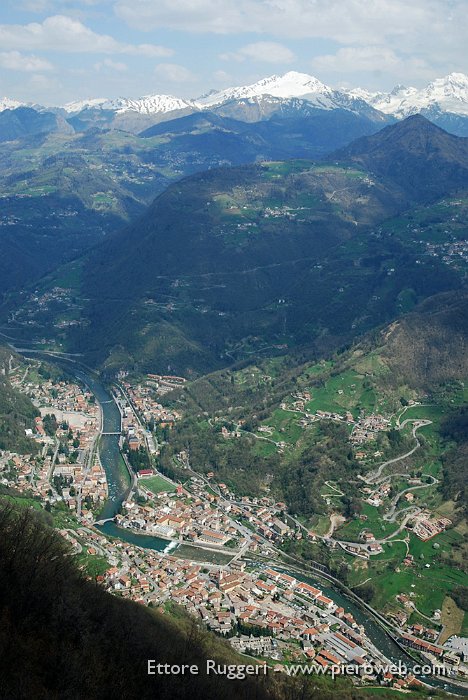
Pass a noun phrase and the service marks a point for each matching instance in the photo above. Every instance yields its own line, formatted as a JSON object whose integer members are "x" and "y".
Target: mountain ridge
{"x": 447, "y": 94}
{"x": 415, "y": 153}
{"x": 282, "y": 230}
{"x": 148, "y": 104}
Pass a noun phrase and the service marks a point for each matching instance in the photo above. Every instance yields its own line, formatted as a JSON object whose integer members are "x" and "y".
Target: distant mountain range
{"x": 150, "y": 104}
{"x": 292, "y": 92}
{"x": 103, "y": 161}
{"x": 449, "y": 94}
{"x": 66, "y": 183}
{"x": 6, "y": 103}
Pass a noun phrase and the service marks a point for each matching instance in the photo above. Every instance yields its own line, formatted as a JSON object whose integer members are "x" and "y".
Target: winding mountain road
{"x": 391, "y": 514}
{"x": 418, "y": 423}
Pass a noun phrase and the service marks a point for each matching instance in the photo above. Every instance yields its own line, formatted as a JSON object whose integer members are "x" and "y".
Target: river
{"x": 118, "y": 479}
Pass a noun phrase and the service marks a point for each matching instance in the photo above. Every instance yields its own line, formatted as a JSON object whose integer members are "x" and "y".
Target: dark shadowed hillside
{"x": 278, "y": 254}
{"x": 455, "y": 460}
{"x": 24, "y": 121}
{"x": 415, "y": 154}
{"x": 430, "y": 346}
{"x": 64, "y": 191}
{"x": 295, "y": 135}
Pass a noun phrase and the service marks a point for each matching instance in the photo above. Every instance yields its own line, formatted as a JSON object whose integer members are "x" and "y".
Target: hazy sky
{"x": 54, "y": 51}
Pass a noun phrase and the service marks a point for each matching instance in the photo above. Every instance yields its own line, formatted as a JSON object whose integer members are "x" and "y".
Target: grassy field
{"x": 283, "y": 168}
{"x": 68, "y": 276}
{"x": 433, "y": 413}
{"x": 157, "y": 484}
{"x": 63, "y": 517}
{"x": 345, "y": 392}
{"x": 427, "y": 551}
{"x": 320, "y": 524}
{"x": 23, "y": 501}
{"x": 186, "y": 551}
{"x": 264, "y": 448}
{"x": 434, "y": 572}
{"x": 393, "y": 551}
{"x": 93, "y": 564}
{"x": 286, "y": 427}
{"x": 451, "y": 618}
{"x": 355, "y": 389}
{"x": 350, "y": 530}
{"x": 428, "y": 585}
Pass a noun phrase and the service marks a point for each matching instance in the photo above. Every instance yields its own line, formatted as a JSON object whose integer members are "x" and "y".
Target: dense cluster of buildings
{"x": 426, "y": 527}
{"x": 260, "y": 515}
{"x": 68, "y": 468}
{"x": 451, "y": 252}
{"x": 375, "y": 497}
{"x": 178, "y": 515}
{"x": 164, "y": 383}
{"x": 86, "y": 482}
{"x": 363, "y": 430}
{"x": 143, "y": 400}
{"x": 362, "y": 550}
{"x": 367, "y": 427}
{"x": 264, "y": 611}
{"x": 17, "y": 470}
{"x": 299, "y": 405}
{"x": 63, "y": 399}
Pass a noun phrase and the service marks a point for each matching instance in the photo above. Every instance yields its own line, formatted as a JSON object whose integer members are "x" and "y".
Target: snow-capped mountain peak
{"x": 154, "y": 104}
{"x": 454, "y": 87}
{"x": 7, "y": 103}
{"x": 291, "y": 84}
{"x": 448, "y": 94}
{"x": 399, "y": 89}
{"x": 287, "y": 86}
{"x": 149, "y": 104}
{"x": 80, "y": 105}
{"x": 361, "y": 94}
{"x": 290, "y": 93}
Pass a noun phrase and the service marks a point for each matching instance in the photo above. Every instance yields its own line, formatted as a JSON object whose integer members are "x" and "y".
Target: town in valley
{"x": 222, "y": 554}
